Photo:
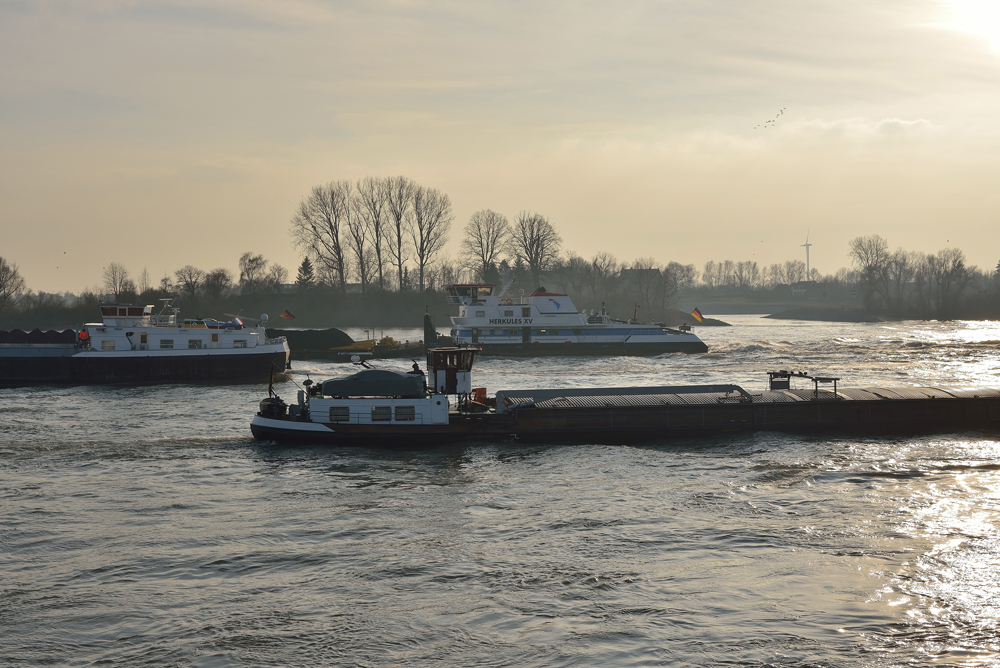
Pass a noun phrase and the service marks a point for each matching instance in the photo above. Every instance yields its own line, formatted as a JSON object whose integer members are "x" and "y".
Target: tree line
{"x": 385, "y": 235}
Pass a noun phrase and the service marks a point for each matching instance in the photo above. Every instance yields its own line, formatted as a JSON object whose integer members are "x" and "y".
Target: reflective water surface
{"x": 143, "y": 526}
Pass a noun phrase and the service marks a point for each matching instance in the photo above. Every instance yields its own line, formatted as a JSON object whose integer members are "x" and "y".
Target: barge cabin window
{"x": 107, "y": 344}
{"x": 240, "y": 343}
{"x": 406, "y": 413}
{"x": 166, "y": 343}
{"x": 381, "y": 413}
{"x": 340, "y": 413}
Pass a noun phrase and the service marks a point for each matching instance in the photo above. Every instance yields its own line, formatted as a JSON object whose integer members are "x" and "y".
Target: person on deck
{"x": 84, "y": 338}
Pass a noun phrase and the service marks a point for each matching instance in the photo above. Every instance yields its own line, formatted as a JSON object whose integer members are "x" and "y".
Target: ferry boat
{"x": 548, "y": 323}
{"x": 133, "y": 345}
{"x": 387, "y": 409}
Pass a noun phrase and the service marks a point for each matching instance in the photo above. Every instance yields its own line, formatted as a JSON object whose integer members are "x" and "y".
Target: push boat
{"x": 388, "y": 409}
{"x": 548, "y": 323}
{"x": 131, "y": 344}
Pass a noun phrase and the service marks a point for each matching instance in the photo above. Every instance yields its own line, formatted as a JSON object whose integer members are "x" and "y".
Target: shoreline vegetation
{"x": 372, "y": 256}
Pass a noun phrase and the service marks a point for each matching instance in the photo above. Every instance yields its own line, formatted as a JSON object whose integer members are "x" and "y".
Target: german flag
{"x": 286, "y": 315}
{"x": 696, "y": 314}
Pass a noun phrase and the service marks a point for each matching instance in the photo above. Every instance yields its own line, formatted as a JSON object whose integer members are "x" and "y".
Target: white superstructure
{"x": 545, "y": 321}
{"x": 133, "y": 328}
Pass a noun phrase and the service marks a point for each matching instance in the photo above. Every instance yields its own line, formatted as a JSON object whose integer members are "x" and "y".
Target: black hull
{"x": 50, "y": 370}
{"x": 627, "y": 425}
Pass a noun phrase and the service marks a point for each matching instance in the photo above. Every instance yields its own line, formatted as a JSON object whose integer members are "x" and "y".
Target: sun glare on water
{"x": 978, "y": 17}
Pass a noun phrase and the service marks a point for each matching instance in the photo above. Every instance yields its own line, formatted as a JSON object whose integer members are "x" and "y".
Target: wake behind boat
{"x": 547, "y": 323}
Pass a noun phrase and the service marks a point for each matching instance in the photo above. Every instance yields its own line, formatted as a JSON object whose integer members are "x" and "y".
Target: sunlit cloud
{"x": 977, "y": 17}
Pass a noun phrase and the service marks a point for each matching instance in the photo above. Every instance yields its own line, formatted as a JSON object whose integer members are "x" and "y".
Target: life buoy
{"x": 506, "y": 301}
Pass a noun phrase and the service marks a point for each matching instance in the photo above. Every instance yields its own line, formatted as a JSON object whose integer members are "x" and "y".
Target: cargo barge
{"x": 133, "y": 345}
{"x": 386, "y": 409}
{"x": 546, "y": 323}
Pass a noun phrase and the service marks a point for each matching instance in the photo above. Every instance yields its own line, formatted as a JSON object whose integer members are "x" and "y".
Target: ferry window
{"x": 480, "y": 314}
{"x": 194, "y": 343}
{"x": 166, "y": 343}
{"x": 508, "y": 313}
{"x": 525, "y": 311}
{"x": 215, "y": 338}
{"x": 406, "y": 413}
{"x": 381, "y": 413}
{"x": 144, "y": 338}
{"x": 340, "y": 413}
{"x": 541, "y": 331}
{"x": 240, "y": 343}
{"x": 107, "y": 345}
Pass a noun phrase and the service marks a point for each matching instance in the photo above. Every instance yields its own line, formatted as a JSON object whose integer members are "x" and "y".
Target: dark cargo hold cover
{"x": 375, "y": 383}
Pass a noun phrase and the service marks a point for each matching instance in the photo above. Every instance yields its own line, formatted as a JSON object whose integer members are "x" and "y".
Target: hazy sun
{"x": 979, "y": 17}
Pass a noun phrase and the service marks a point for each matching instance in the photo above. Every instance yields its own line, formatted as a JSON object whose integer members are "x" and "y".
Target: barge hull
{"x": 615, "y": 425}
{"x": 68, "y": 365}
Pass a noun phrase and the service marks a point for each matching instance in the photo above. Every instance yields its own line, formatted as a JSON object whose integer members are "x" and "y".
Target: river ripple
{"x": 143, "y": 526}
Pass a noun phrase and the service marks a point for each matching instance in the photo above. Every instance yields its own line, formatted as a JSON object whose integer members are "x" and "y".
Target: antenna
{"x": 806, "y": 245}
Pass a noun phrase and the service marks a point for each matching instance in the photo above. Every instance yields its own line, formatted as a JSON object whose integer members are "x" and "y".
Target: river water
{"x": 144, "y": 526}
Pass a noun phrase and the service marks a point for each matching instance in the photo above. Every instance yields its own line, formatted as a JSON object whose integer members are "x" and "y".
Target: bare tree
{"x": 430, "y": 219}
{"x": 710, "y": 276}
{"x": 746, "y": 274}
{"x": 644, "y": 281}
{"x": 117, "y": 281}
{"x": 775, "y": 275}
{"x": 11, "y": 283}
{"x": 252, "y": 269}
{"x": 604, "y": 276}
{"x": 399, "y": 199}
{"x": 217, "y": 283}
{"x": 871, "y": 255}
{"x": 373, "y": 195}
{"x": 795, "y": 271}
{"x": 189, "y": 280}
{"x": 685, "y": 274}
{"x": 359, "y": 242}
{"x": 942, "y": 279}
{"x": 276, "y": 277}
{"x": 317, "y": 225}
{"x": 486, "y": 237}
{"x": 535, "y": 242}
{"x": 573, "y": 275}
{"x": 900, "y": 269}
{"x": 143, "y": 286}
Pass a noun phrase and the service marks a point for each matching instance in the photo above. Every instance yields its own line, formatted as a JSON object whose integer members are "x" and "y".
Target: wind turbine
{"x": 806, "y": 245}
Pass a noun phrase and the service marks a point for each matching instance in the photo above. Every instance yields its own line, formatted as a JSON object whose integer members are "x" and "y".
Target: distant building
{"x": 808, "y": 289}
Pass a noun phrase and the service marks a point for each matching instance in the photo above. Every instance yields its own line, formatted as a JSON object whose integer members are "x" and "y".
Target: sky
{"x": 163, "y": 133}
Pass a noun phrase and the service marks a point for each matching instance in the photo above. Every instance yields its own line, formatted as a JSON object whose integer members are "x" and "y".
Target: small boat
{"x": 387, "y": 409}
{"x": 133, "y": 345}
{"x": 548, "y": 323}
